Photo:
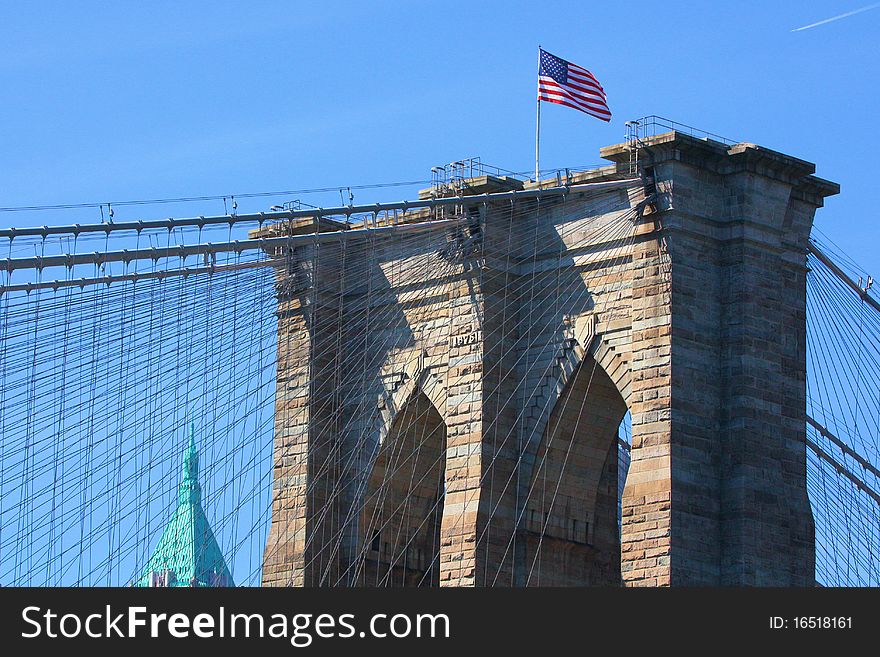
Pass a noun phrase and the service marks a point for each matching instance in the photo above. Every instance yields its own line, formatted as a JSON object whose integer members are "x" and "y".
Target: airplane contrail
{"x": 837, "y": 18}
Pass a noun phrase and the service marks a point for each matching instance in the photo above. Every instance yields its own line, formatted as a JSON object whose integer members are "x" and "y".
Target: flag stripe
{"x": 579, "y": 105}
{"x": 546, "y": 86}
{"x": 578, "y": 70}
{"x": 573, "y": 103}
{"x": 573, "y": 106}
{"x": 591, "y": 100}
{"x": 568, "y": 84}
{"x": 586, "y": 83}
{"x": 576, "y": 88}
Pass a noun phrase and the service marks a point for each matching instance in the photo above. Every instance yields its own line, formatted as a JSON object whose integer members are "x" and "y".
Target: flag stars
{"x": 554, "y": 67}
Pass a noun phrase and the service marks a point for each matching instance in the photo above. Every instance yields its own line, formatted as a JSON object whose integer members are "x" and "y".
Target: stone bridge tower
{"x": 448, "y": 403}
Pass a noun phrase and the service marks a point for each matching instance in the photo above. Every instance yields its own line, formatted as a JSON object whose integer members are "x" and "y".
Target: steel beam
{"x": 345, "y": 210}
{"x": 238, "y": 246}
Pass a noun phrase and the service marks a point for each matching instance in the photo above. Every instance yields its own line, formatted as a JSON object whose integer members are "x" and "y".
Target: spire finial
{"x": 190, "y": 491}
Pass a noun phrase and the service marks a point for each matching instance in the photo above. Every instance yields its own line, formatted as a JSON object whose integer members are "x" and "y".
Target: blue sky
{"x": 114, "y": 101}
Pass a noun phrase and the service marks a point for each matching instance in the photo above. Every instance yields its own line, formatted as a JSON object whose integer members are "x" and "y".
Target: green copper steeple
{"x": 190, "y": 492}
{"x": 187, "y": 553}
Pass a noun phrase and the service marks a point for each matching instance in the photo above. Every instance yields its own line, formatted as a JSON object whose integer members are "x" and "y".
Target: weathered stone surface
{"x": 496, "y": 382}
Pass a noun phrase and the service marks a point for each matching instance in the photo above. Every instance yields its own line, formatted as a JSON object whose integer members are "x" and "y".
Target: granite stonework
{"x": 477, "y": 379}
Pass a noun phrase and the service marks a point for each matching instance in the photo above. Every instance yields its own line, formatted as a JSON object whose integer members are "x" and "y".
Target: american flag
{"x": 568, "y": 84}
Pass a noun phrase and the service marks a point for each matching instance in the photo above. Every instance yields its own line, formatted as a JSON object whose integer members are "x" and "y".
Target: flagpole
{"x": 538, "y": 122}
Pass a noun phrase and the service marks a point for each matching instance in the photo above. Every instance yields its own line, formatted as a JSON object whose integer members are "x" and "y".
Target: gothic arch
{"x": 400, "y": 388}
{"x": 569, "y": 511}
{"x": 608, "y": 352}
{"x": 403, "y": 499}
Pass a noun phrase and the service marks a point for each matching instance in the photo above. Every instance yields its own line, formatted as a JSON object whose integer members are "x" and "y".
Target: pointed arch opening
{"x": 403, "y": 505}
{"x": 572, "y": 528}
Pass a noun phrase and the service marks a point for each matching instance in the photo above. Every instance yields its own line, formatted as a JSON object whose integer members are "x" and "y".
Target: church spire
{"x": 190, "y": 492}
{"x": 188, "y": 553}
